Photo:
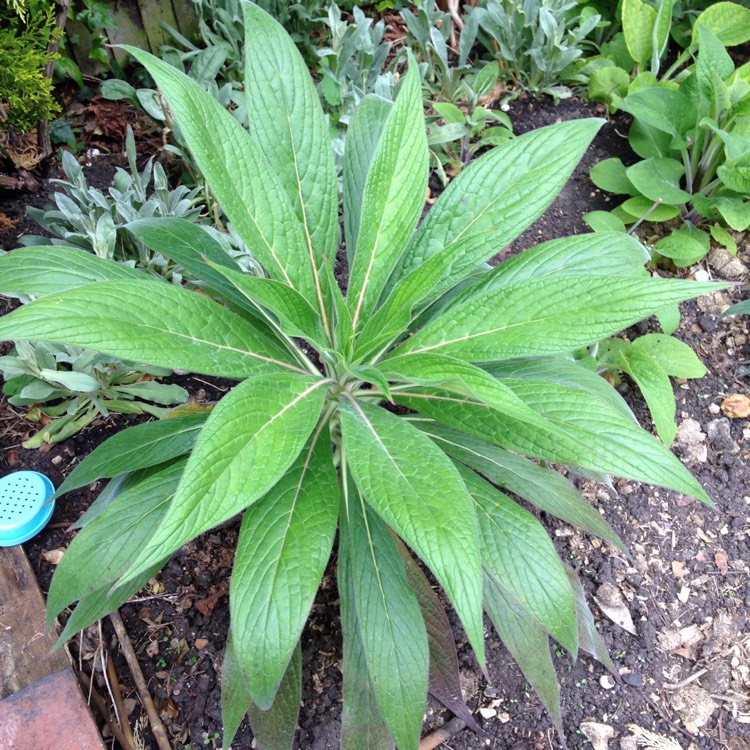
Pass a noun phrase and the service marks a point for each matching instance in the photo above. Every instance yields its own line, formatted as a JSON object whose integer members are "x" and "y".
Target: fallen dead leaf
{"x": 206, "y": 606}
{"x": 599, "y": 734}
{"x": 679, "y": 568}
{"x": 736, "y": 406}
{"x": 53, "y": 556}
{"x": 611, "y": 602}
{"x": 153, "y": 648}
{"x": 720, "y": 558}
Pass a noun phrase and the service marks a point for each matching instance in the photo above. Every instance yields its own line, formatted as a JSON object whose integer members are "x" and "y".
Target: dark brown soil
{"x": 686, "y": 584}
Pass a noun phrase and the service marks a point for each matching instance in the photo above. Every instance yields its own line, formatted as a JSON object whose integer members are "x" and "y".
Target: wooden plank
{"x": 129, "y": 29}
{"x": 24, "y": 644}
{"x": 154, "y": 12}
{"x": 187, "y": 19}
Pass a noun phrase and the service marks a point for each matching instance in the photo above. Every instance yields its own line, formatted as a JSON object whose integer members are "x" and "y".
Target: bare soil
{"x": 685, "y": 673}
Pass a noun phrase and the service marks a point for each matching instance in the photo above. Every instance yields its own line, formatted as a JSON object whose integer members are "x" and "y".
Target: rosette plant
{"x": 392, "y": 412}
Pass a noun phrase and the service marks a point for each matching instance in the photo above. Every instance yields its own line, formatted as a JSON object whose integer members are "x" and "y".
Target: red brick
{"x": 49, "y": 714}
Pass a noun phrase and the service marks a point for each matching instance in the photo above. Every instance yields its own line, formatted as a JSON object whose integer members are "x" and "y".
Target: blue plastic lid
{"x": 23, "y": 512}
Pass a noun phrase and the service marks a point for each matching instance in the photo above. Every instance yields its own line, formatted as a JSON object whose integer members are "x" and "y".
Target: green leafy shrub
{"x": 537, "y": 41}
{"x": 25, "y": 92}
{"x": 307, "y": 442}
{"x": 694, "y": 142}
{"x": 631, "y": 60}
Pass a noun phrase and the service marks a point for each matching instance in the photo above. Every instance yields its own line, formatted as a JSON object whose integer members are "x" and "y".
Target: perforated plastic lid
{"x": 23, "y": 512}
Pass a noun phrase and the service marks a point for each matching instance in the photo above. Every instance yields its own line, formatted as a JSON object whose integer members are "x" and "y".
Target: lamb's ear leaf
{"x": 239, "y": 175}
{"x": 362, "y": 137}
{"x": 274, "y": 583}
{"x": 287, "y": 121}
{"x": 518, "y": 553}
{"x": 528, "y": 644}
{"x": 273, "y": 729}
{"x": 393, "y": 634}
{"x": 156, "y": 324}
{"x": 445, "y": 682}
{"x": 493, "y": 200}
{"x": 362, "y": 724}
{"x": 548, "y": 315}
{"x": 250, "y": 440}
{"x": 416, "y": 489}
{"x": 539, "y": 485}
{"x": 393, "y": 198}
{"x": 105, "y": 547}
{"x": 44, "y": 270}
{"x": 137, "y": 447}
{"x": 588, "y": 636}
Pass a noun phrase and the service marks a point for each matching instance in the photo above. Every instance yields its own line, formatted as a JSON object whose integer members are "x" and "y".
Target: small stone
{"x": 702, "y": 275}
{"x": 606, "y": 682}
{"x": 201, "y": 643}
{"x": 487, "y": 713}
{"x": 57, "y": 460}
{"x": 736, "y": 406}
{"x": 690, "y": 441}
{"x": 492, "y": 692}
{"x": 633, "y": 679}
{"x": 707, "y": 323}
{"x": 628, "y": 743}
{"x": 719, "y": 432}
{"x": 714, "y": 408}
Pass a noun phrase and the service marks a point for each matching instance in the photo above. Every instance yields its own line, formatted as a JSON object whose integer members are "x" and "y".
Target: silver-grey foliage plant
{"x": 420, "y": 392}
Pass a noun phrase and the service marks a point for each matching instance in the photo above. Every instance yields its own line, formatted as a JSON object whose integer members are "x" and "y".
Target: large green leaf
{"x": 158, "y": 324}
{"x": 589, "y": 639}
{"x": 596, "y": 254}
{"x": 393, "y": 198}
{"x": 362, "y": 138}
{"x": 527, "y": 642}
{"x": 517, "y": 552}
{"x": 287, "y": 121}
{"x": 239, "y": 175}
{"x": 39, "y": 271}
{"x": 362, "y": 724}
{"x": 295, "y": 315}
{"x": 563, "y": 371}
{"x": 250, "y": 440}
{"x": 418, "y": 492}
{"x": 667, "y": 110}
{"x": 285, "y": 542}
{"x": 445, "y": 678}
{"x": 547, "y": 315}
{"x": 487, "y": 206}
{"x": 659, "y": 180}
{"x": 495, "y": 198}
{"x": 102, "y": 602}
{"x": 137, "y": 447}
{"x": 638, "y": 21}
{"x": 539, "y": 485}
{"x": 394, "y": 639}
{"x": 191, "y": 246}
{"x": 106, "y": 546}
{"x": 273, "y": 729}
{"x": 727, "y": 20}
{"x": 585, "y": 432}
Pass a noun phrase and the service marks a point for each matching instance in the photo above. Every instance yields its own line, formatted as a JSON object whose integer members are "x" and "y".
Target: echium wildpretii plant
{"x": 309, "y": 441}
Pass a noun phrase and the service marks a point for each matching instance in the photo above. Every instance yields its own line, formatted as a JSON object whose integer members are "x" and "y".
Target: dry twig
{"x": 444, "y": 733}
{"x": 160, "y": 733}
